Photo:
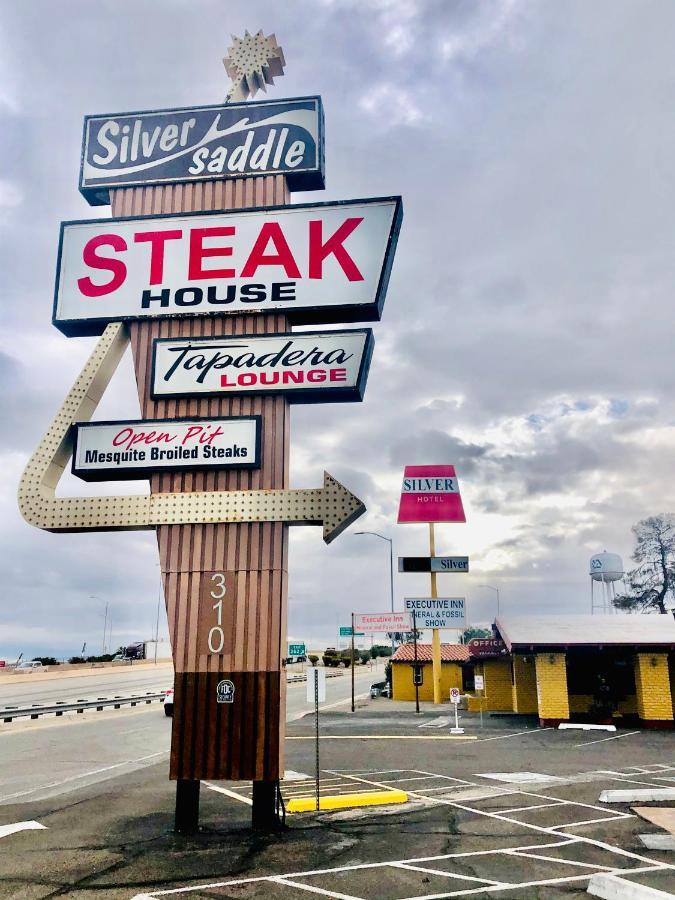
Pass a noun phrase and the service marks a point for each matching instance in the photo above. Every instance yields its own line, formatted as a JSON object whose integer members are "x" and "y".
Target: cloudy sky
{"x": 527, "y": 333}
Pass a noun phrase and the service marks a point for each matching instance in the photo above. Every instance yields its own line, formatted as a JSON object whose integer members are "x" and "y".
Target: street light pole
{"x": 391, "y": 571}
{"x": 491, "y": 588}
{"x": 105, "y": 620}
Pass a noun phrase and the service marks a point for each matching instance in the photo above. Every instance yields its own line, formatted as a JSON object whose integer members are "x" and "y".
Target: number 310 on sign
{"x": 216, "y": 603}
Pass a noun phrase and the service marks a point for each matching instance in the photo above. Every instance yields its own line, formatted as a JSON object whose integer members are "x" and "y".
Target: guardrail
{"x": 291, "y": 679}
{"x": 8, "y": 713}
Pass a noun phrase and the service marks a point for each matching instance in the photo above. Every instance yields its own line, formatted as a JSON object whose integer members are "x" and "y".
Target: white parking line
{"x": 312, "y": 889}
{"x": 6, "y": 830}
{"x": 45, "y": 787}
{"x": 413, "y": 868}
{"x": 503, "y": 737}
{"x": 232, "y": 794}
{"x": 616, "y": 737}
{"x": 566, "y": 862}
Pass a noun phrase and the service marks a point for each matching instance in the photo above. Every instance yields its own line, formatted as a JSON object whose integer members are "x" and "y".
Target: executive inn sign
{"x": 203, "y": 269}
{"x": 277, "y": 137}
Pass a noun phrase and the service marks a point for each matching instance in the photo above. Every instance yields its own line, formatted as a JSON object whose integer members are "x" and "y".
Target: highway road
{"x": 19, "y": 690}
{"x": 53, "y": 756}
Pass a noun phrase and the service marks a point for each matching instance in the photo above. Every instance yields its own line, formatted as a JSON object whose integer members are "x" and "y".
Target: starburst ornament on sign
{"x": 252, "y": 62}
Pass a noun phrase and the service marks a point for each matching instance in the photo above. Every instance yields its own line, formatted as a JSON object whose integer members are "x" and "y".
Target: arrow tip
{"x": 341, "y": 508}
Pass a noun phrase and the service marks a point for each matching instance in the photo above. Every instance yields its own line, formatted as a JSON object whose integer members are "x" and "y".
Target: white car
{"x": 29, "y": 665}
{"x": 168, "y": 702}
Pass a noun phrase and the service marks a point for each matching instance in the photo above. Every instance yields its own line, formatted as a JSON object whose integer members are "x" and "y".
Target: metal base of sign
{"x": 187, "y": 806}
{"x": 264, "y": 813}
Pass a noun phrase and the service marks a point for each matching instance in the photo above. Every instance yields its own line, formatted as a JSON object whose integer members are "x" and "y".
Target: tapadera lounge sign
{"x": 322, "y": 262}
{"x": 204, "y": 142}
{"x": 307, "y": 366}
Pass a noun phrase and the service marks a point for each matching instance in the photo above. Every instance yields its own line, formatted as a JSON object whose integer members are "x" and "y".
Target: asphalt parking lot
{"x": 506, "y": 810}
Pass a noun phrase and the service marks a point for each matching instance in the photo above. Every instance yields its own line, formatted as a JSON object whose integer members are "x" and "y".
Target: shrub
{"x": 76, "y": 659}
{"x": 313, "y": 659}
{"x": 46, "y": 660}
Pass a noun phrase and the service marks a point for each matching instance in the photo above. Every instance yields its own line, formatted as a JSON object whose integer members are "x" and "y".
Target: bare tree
{"x": 654, "y": 575}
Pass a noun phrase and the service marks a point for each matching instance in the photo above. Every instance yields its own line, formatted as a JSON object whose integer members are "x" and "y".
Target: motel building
{"x": 605, "y": 669}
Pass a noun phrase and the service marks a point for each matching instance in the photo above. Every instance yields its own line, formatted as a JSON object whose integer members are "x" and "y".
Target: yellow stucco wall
{"x": 652, "y": 684}
{"x": 553, "y": 700}
{"x": 404, "y": 689}
{"x": 498, "y": 691}
{"x": 524, "y": 685}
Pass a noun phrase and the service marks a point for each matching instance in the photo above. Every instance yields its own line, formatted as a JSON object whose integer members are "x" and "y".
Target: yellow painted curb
{"x": 362, "y": 798}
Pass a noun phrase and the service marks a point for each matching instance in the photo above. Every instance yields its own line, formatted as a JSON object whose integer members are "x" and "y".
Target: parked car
{"x": 379, "y": 689}
{"x": 168, "y": 702}
{"x": 29, "y": 664}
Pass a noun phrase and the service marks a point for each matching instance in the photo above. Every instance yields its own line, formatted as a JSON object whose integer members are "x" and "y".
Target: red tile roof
{"x": 449, "y": 653}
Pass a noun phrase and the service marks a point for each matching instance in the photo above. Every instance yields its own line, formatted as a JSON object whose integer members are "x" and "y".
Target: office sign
{"x": 433, "y": 563}
{"x": 322, "y": 262}
{"x": 478, "y": 682}
{"x": 430, "y": 494}
{"x": 437, "y": 612}
{"x": 307, "y": 366}
{"x": 111, "y": 450}
{"x": 373, "y": 623}
{"x": 198, "y": 143}
{"x": 486, "y": 648}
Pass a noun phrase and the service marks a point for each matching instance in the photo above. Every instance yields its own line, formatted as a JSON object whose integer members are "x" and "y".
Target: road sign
{"x": 382, "y": 622}
{"x": 297, "y": 650}
{"x": 310, "y": 366}
{"x": 437, "y": 612}
{"x": 201, "y": 143}
{"x": 433, "y": 563}
{"x": 478, "y": 682}
{"x": 322, "y": 262}
{"x": 454, "y": 695}
{"x": 346, "y": 631}
{"x": 316, "y": 676}
{"x": 112, "y": 450}
{"x": 430, "y": 494}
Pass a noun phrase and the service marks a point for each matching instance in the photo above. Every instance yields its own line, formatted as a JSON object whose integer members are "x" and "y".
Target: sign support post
{"x": 436, "y": 632}
{"x": 315, "y": 674}
{"x": 417, "y": 687}
{"x": 352, "y": 662}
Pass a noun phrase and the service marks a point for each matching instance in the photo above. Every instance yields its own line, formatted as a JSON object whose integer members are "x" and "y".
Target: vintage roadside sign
{"x": 308, "y": 366}
{"x": 484, "y": 648}
{"x": 433, "y": 564}
{"x": 372, "y": 623}
{"x": 437, "y": 612}
{"x": 198, "y": 143}
{"x": 113, "y": 450}
{"x": 322, "y": 262}
{"x": 430, "y": 494}
{"x": 296, "y": 650}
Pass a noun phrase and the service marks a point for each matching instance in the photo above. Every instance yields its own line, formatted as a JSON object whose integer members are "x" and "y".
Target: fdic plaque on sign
{"x": 315, "y": 263}
{"x": 116, "y": 450}
{"x": 308, "y": 366}
{"x": 275, "y": 137}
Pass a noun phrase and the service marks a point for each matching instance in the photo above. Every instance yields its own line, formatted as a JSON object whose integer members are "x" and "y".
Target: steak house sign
{"x": 204, "y": 142}
{"x": 309, "y": 366}
{"x": 324, "y": 262}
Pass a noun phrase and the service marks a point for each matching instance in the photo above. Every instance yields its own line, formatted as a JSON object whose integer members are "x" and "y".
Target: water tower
{"x": 606, "y": 568}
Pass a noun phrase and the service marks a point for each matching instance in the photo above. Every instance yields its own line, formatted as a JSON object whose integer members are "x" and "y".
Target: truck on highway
{"x": 146, "y": 650}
